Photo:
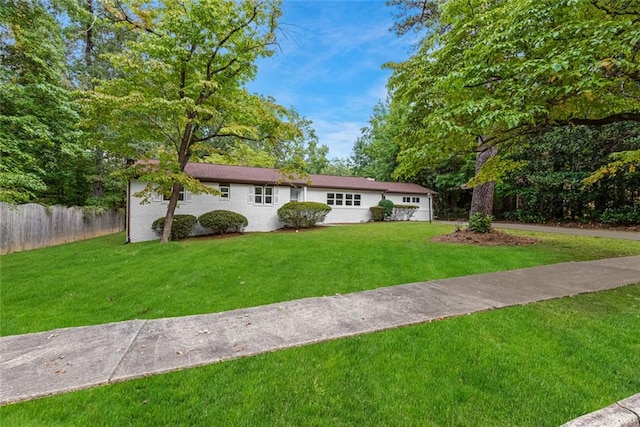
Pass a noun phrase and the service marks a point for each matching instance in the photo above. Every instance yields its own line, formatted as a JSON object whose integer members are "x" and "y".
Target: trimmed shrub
{"x": 182, "y": 226}
{"x": 377, "y": 213}
{"x": 388, "y": 207}
{"x": 480, "y": 223}
{"x": 403, "y": 212}
{"x": 221, "y": 221}
{"x": 303, "y": 214}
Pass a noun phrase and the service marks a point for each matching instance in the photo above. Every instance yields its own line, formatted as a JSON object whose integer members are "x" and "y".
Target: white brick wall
{"x": 341, "y": 214}
{"x": 260, "y": 217}
{"x": 355, "y": 214}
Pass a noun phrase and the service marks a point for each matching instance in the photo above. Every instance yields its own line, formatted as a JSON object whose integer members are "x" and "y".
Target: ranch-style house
{"x": 258, "y": 193}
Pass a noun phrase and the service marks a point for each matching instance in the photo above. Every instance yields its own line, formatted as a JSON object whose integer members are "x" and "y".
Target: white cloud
{"x": 338, "y": 135}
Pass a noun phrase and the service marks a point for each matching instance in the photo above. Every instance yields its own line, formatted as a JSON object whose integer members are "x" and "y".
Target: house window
{"x": 224, "y": 192}
{"x": 416, "y": 200}
{"x": 263, "y": 195}
{"x": 406, "y": 199}
{"x": 343, "y": 199}
{"x": 294, "y": 193}
{"x": 180, "y": 196}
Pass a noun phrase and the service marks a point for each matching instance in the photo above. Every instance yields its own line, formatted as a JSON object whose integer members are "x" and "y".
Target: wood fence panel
{"x": 32, "y": 226}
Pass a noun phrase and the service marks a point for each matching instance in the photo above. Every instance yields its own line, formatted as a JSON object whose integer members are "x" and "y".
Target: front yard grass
{"x": 535, "y": 365}
{"x": 102, "y": 280}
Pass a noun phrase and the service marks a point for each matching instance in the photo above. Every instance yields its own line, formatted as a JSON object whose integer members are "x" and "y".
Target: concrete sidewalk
{"x": 63, "y": 360}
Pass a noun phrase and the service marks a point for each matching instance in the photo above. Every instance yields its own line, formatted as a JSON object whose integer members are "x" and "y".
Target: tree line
{"x": 535, "y": 101}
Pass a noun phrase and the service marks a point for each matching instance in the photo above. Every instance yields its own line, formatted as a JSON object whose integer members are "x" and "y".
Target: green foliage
{"x": 508, "y": 68}
{"x": 377, "y": 213}
{"x": 222, "y": 221}
{"x": 480, "y": 223}
{"x": 302, "y": 214}
{"x": 42, "y": 156}
{"x": 374, "y": 152}
{"x": 182, "y": 226}
{"x": 388, "y": 207}
{"x": 626, "y": 215}
{"x": 551, "y": 184}
{"x": 179, "y": 87}
{"x": 525, "y": 215}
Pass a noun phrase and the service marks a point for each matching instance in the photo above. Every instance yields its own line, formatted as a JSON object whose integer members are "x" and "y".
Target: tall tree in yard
{"x": 180, "y": 88}
{"x": 498, "y": 71}
{"x": 39, "y": 142}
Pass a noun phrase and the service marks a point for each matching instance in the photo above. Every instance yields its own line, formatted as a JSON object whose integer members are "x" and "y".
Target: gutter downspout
{"x": 128, "y": 216}
{"x": 430, "y": 208}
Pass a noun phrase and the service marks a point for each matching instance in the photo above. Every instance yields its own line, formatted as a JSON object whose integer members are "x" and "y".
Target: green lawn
{"x": 539, "y": 364}
{"x": 101, "y": 280}
{"x": 535, "y": 365}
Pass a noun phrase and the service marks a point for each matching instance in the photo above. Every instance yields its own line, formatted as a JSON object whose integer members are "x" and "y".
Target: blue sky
{"x": 329, "y": 65}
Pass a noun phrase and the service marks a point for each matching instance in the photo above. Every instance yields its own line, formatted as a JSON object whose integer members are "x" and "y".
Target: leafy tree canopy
{"x": 37, "y": 113}
{"x": 179, "y": 86}
{"x": 507, "y": 68}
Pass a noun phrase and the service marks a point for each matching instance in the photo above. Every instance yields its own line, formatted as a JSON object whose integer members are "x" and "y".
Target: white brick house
{"x": 258, "y": 193}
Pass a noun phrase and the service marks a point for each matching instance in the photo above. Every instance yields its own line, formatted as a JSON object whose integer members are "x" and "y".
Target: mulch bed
{"x": 492, "y": 238}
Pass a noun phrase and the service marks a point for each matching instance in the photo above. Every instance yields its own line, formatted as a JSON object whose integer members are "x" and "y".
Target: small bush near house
{"x": 303, "y": 214}
{"x": 403, "y": 212}
{"x": 377, "y": 213}
{"x": 182, "y": 226}
{"x": 480, "y": 223}
{"x": 221, "y": 221}
{"x": 388, "y": 207}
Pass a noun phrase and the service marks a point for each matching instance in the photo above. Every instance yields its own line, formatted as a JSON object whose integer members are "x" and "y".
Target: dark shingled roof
{"x": 252, "y": 175}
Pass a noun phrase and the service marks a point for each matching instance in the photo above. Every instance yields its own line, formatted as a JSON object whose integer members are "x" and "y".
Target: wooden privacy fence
{"x": 33, "y": 226}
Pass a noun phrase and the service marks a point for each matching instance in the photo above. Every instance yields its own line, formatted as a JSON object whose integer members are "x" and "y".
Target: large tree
{"x": 502, "y": 69}
{"x": 374, "y": 152}
{"x": 41, "y": 155}
{"x": 181, "y": 86}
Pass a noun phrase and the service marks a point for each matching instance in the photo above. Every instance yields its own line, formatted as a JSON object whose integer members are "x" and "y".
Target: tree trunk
{"x": 183, "y": 158}
{"x": 482, "y": 198}
{"x": 171, "y": 209}
{"x": 98, "y": 180}
{"x": 88, "y": 46}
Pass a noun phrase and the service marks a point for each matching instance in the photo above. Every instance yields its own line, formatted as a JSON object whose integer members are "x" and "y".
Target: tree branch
{"x": 613, "y": 118}
{"x": 121, "y": 15}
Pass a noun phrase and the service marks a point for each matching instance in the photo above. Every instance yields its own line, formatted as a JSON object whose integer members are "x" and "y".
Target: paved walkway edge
{"x": 625, "y": 413}
{"x": 47, "y": 363}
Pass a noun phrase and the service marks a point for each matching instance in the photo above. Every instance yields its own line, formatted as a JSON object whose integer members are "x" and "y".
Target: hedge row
{"x": 387, "y": 210}
{"x": 219, "y": 221}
